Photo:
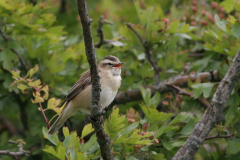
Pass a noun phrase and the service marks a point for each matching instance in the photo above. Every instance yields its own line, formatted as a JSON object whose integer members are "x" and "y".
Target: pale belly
{"x": 83, "y": 101}
{"x": 107, "y": 95}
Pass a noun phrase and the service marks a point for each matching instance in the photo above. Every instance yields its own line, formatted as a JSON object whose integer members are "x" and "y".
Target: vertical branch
{"x": 96, "y": 112}
{"x": 213, "y": 113}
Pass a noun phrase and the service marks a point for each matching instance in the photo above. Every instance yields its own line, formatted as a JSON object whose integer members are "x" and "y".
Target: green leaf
{"x": 129, "y": 129}
{"x": 233, "y": 112}
{"x": 36, "y": 83}
{"x": 233, "y": 146}
{"x": 115, "y": 123}
{"x": 146, "y": 94}
{"x": 50, "y": 150}
{"x": 228, "y": 5}
{"x": 154, "y": 116}
{"x": 80, "y": 156}
{"x": 173, "y": 27}
{"x": 52, "y": 104}
{"x": 16, "y": 74}
{"x": 204, "y": 88}
{"x": 32, "y": 71}
{"x": 8, "y": 57}
{"x": 52, "y": 138}
{"x": 181, "y": 117}
{"x": 87, "y": 130}
{"x": 236, "y": 30}
{"x": 154, "y": 101}
{"x": 61, "y": 152}
{"x": 66, "y": 141}
{"x": 164, "y": 129}
{"x": 188, "y": 128}
{"x": 90, "y": 143}
{"x": 65, "y": 129}
{"x": 219, "y": 23}
{"x": 22, "y": 87}
{"x": 158, "y": 156}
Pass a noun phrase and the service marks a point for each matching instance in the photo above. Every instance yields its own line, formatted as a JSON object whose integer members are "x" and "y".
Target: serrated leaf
{"x": 53, "y": 103}
{"x": 66, "y": 141}
{"x": 86, "y": 146}
{"x": 203, "y": 88}
{"x": 52, "y": 138}
{"x": 173, "y": 27}
{"x": 80, "y": 156}
{"x": 219, "y": 23}
{"x": 16, "y": 74}
{"x": 129, "y": 129}
{"x": 65, "y": 132}
{"x": 181, "y": 117}
{"x": 87, "y": 130}
{"x": 61, "y": 152}
{"x": 50, "y": 150}
{"x": 146, "y": 94}
{"x": 32, "y": 71}
{"x": 158, "y": 156}
{"x": 35, "y": 83}
{"x": 8, "y": 57}
{"x": 22, "y": 87}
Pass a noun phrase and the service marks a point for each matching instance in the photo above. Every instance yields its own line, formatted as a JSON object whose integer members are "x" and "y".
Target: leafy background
{"x": 185, "y": 37}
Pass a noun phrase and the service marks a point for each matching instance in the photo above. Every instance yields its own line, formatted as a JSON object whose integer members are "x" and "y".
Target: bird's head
{"x": 111, "y": 63}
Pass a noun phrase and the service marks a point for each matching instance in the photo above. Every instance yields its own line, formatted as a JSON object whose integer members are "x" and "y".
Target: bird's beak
{"x": 118, "y": 65}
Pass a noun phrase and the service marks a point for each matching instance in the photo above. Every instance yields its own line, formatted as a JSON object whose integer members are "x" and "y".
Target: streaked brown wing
{"x": 83, "y": 82}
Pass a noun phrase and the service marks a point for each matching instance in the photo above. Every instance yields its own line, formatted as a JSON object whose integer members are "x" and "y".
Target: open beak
{"x": 118, "y": 65}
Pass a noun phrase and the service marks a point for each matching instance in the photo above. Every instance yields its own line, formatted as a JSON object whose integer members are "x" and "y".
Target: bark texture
{"x": 213, "y": 113}
{"x": 96, "y": 111}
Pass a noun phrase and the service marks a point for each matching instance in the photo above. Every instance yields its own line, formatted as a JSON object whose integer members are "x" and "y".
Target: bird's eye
{"x": 109, "y": 64}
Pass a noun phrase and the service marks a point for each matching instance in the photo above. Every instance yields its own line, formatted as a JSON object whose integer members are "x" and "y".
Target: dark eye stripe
{"x": 111, "y": 58}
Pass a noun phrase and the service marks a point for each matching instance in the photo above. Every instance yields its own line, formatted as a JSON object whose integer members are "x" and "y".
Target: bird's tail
{"x": 66, "y": 113}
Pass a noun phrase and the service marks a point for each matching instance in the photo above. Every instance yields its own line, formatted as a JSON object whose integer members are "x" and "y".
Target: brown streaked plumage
{"x": 79, "y": 96}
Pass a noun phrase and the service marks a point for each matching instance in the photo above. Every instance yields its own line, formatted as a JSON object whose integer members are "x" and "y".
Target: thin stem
{"x": 40, "y": 104}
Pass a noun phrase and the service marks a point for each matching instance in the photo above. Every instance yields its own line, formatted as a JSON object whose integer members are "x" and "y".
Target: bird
{"x": 79, "y": 96}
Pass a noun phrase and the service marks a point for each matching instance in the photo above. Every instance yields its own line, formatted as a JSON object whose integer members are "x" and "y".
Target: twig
{"x": 41, "y": 108}
{"x": 96, "y": 111}
{"x": 183, "y": 92}
{"x": 6, "y": 38}
{"x": 100, "y": 32}
{"x": 9, "y": 126}
{"x": 18, "y": 154}
{"x": 213, "y": 113}
{"x": 222, "y": 136}
{"x": 148, "y": 54}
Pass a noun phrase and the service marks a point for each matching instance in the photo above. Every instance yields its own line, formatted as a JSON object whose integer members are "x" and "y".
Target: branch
{"x": 100, "y": 34}
{"x": 182, "y": 81}
{"x": 96, "y": 111}
{"x": 148, "y": 54}
{"x": 183, "y": 92}
{"x": 222, "y": 136}
{"x": 213, "y": 113}
{"x": 18, "y": 154}
{"x": 6, "y": 38}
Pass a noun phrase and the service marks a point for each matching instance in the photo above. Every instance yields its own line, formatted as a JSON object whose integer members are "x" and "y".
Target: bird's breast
{"x": 109, "y": 89}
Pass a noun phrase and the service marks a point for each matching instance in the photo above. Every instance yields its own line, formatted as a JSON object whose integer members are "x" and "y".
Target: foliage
{"x": 184, "y": 37}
